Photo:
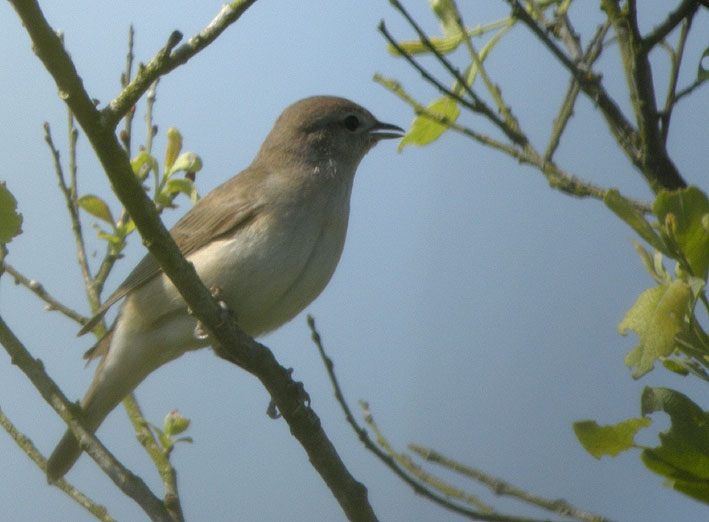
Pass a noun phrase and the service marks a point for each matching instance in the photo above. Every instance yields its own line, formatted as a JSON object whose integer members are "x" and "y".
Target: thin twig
{"x": 69, "y": 193}
{"x": 171, "y": 57}
{"x": 39, "y": 291}
{"x": 150, "y": 128}
{"x": 593, "y": 51}
{"x": 557, "y": 177}
{"x": 501, "y": 487}
{"x": 685, "y": 9}
{"x": 511, "y": 121}
{"x": 388, "y": 459}
{"x": 676, "y": 58}
{"x": 130, "y": 484}
{"x": 477, "y": 105}
{"x": 28, "y": 447}
{"x": 159, "y": 457}
{"x": 622, "y": 129}
{"x": 688, "y": 90}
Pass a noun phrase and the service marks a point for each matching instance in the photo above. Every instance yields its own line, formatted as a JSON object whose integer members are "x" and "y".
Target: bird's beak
{"x": 383, "y": 131}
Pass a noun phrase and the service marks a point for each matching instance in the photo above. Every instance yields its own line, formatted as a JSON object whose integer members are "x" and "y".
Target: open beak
{"x": 383, "y": 131}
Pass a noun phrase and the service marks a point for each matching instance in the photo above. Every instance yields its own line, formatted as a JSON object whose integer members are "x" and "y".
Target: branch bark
{"x": 130, "y": 484}
{"x": 229, "y": 341}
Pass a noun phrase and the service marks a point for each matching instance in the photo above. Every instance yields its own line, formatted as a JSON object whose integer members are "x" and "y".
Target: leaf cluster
{"x": 665, "y": 320}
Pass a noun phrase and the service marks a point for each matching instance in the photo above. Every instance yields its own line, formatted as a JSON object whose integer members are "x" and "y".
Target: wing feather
{"x": 222, "y": 212}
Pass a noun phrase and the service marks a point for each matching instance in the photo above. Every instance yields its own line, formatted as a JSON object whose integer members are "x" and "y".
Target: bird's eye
{"x": 351, "y": 122}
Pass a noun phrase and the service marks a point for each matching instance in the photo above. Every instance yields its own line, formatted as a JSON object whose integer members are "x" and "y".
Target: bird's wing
{"x": 221, "y": 212}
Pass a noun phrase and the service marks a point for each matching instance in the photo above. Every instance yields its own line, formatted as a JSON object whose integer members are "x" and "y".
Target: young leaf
{"x": 633, "y": 217}
{"x": 173, "y": 147}
{"x": 446, "y": 13}
{"x": 10, "y": 219}
{"x": 174, "y": 423}
{"x": 608, "y": 440}
{"x": 96, "y": 207}
{"x": 183, "y": 185}
{"x": 424, "y": 130}
{"x": 142, "y": 164}
{"x": 683, "y": 454}
{"x": 652, "y": 264}
{"x": 683, "y": 212}
{"x": 188, "y": 162}
{"x": 657, "y": 316}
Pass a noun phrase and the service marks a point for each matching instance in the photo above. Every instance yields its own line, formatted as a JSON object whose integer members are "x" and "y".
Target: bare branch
{"x": 229, "y": 341}
{"x": 421, "y": 481}
{"x": 39, "y": 291}
{"x": 131, "y": 485}
{"x": 28, "y": 447}
{"x": 171, "y": 57}
{"x": 652, "y": 159}
{"x": 676, "y": 59}
{"x": 622, "y": 129}
{"x": 685, "y": 10}
{"x": 501, "y": 487}
{"x": 593, "y": 51}
{"x": 477, "y": 105}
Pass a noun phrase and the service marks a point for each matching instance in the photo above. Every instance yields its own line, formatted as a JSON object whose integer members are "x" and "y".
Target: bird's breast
{"x": 277, "y": 265}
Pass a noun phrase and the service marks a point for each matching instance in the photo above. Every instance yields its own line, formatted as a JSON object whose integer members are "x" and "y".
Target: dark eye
{"x": 351, "y": 122}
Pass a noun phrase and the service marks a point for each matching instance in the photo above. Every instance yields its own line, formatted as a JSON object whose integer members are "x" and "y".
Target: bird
{"x": 268, "y": 238}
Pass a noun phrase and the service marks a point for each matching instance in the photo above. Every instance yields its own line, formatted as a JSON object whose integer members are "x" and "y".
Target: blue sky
{"x": 474, "y": 308}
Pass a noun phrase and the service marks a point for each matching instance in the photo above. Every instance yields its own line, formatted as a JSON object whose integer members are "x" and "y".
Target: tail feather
{"x": 63, "y": 457}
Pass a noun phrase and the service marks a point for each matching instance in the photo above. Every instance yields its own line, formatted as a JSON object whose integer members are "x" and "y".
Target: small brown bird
{"x": 269, "y": 238}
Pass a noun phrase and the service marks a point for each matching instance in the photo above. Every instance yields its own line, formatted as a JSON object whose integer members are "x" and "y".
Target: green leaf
{"x": 675, "y": 366}
{"x": 472, "y": 70}
{"x": 446, "y": 13}
{"x": 174, "y": 423}
{"x": 608, "y": 440}
{"x": 683, "y": 454}
{"x": 173, "y": 147}
{"x": 10, "y": 219}
{"x": 657, "y": 316}
{"x": 183, "y": 185}
{"x": 653, "y": 264}
{"x": 187, "y": 162}
{"x": 443, "y": 45}
{"x": 143, "y": 163}
{"x": 96, "y": 207}
{"x": 682, "y": 213}
{"x": 633, "y": 217}
{"x": 424, "y": 130}
{"x": 702, "y": 72}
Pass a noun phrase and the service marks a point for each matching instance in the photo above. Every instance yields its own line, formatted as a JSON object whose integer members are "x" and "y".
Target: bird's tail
{"x": 63, "y": 457}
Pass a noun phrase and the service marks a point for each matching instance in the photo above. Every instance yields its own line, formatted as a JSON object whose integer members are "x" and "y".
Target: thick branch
{"x": 654, "y": 161}
{"x": 229, "y": 340}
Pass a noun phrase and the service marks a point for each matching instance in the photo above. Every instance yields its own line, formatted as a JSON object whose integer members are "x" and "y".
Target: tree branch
{"x": 170, "y": 57}
{"x": 511, "y": 130}
{"x": 686, "y": 9}
{"x": 39, "y": 291}
{"x": 566, "y": 110}
{"x": 654, "y": 161}
{"x": 131, "y": 485}
{"x": 229, "y": 341}
{"x": 28, "y": 447}
{"x": 622, "y": 129}
{"x": 157, "y": 455}
{"x": 501, "y": 487}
